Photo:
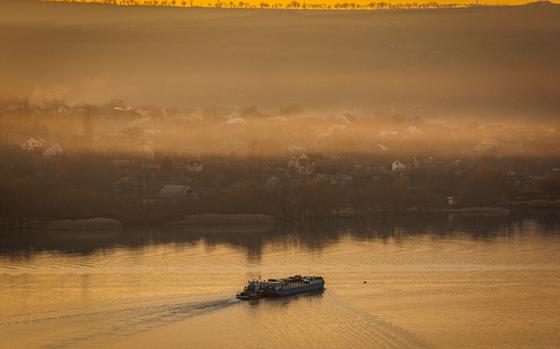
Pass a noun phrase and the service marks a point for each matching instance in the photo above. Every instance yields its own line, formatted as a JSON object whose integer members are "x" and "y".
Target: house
{"x": 174, "y": 193}
{"x": 340, "y": 179}
{"x": 195, "y": 165}
{"x": 413, "y": 130}
{"x": 33, "y": 144}
{"x": 451, "y": 201}
{"x": 126, "y": 184}
{"x": 236, "y": 121}
{"x": 382, "y": 147}
{"x": 303, "y": 165}
{"x": 342, "y": 117}
{"x": 52, "y": 151}
{"x": 294, "y": 148}
{"x": 398, "y": 166}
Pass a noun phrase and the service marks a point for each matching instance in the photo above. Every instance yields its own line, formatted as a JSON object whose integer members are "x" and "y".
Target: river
{"x": 420, "y": 282}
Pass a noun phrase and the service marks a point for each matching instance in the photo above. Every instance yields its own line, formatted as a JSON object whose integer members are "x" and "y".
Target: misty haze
{"x": 279, "y": 174}
{"x": 473, "y": 62}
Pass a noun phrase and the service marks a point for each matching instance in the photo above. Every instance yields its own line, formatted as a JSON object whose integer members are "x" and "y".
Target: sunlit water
{"x": 470, "y": 284}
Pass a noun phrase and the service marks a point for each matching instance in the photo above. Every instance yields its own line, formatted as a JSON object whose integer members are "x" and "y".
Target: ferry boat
{"x": 281, "y": 287}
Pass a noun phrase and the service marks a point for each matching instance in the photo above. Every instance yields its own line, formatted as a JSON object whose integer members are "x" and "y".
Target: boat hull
{"x": 248, "y": 298}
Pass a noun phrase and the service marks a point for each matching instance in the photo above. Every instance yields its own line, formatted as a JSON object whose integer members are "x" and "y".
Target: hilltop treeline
{"x": 293, "y": 4}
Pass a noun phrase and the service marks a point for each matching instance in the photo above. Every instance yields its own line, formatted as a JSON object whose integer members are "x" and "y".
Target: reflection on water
{"x": 416, "y": 281}
{"x": 313, "y": 237}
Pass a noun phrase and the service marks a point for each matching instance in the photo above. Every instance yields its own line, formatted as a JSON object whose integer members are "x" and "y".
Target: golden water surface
{"x": 456, "y": 289}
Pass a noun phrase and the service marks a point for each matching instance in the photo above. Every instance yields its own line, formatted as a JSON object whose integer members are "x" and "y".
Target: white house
{"x": 343, "y": 118}
{"x": 33, "y": 144}
{"x": 52, "y": 151}
{"x": 294, "y": 148}
{"x": 451, "y": 201}
{"x": 398, "y": 166}
{"x": 413, "y": 130}
{"x": 236, "y": 121}
{"x": 174, "y": 193}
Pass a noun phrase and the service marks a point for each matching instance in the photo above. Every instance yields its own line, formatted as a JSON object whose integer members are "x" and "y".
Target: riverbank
{"x": 243, "y": 223}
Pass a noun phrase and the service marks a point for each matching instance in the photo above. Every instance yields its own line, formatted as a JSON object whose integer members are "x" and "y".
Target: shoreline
{"x": 269, "y": 222}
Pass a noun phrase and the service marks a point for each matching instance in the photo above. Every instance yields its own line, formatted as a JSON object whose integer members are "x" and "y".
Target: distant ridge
{"x": 543, "y": 3}
{"x": 351, "y": 5}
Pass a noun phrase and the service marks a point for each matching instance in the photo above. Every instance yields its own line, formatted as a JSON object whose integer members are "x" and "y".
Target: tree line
{"x": 294, "y": 4}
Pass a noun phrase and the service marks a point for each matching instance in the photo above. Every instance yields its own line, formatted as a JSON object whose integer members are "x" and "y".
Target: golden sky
{"x": 298, "y": 3}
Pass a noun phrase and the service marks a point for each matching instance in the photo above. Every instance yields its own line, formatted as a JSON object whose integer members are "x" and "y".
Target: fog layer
{"x": 500, "y": 62}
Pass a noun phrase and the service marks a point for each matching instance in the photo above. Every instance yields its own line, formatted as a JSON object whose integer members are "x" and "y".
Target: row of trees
{"x": 318, "y": 199}
{"x": 86, "y": 188}
{"x": 382, "y": 5}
